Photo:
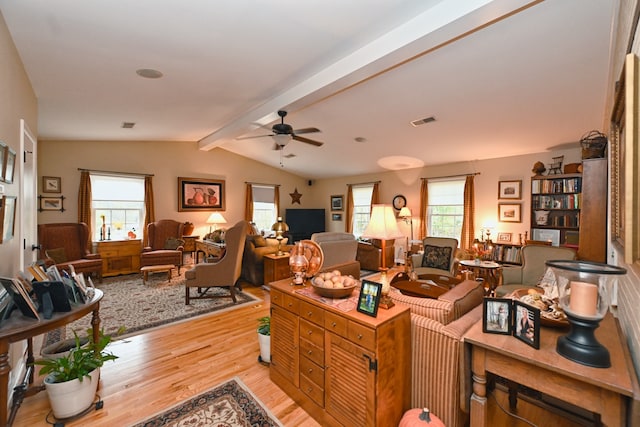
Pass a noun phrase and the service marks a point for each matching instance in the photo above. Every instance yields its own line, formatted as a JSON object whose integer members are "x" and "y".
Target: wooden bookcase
{"x": 507, "y": 253}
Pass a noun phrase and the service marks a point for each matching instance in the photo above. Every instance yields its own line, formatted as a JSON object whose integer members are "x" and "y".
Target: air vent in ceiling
{"x": 289, "y": 156}
{"x": 128, "y": 125}
{"x": 419, "y": 122}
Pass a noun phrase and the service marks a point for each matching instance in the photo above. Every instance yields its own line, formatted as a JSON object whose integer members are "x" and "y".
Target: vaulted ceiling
{"x": 500, "y": 78}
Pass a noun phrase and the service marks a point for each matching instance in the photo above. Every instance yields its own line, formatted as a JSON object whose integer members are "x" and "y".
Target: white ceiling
{"x": 501, "y": 78}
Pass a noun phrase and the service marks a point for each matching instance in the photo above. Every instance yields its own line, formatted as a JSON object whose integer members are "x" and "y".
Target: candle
{"x": 584, "y": 299}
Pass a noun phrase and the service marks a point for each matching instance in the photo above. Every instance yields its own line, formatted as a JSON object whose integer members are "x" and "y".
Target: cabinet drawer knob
{"x": 309, "y": 313}
{"x": 333, "y": 324}
{"x": 310, "y": 352}
{"x": 310, "y": 370}
{"x": 359, "y": 336}
{"x": 309, "y": 332}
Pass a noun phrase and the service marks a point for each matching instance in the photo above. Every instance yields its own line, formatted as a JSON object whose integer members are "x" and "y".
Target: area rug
{"x": 230, "y": 404}
{"x": 129, "y": 303}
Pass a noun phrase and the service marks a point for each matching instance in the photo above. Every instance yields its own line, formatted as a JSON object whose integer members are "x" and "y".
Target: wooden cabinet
{"x": 593, "y": 231}
{"x": 556, "y": 201}
{"x": 119, "y": 256}
{"x": 276, "y": 267}
{"x": 343, "y": 367}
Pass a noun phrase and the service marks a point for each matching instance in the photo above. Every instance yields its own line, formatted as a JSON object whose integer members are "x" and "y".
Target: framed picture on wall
{"x": 7, "y": 217}
{"x": 51, "y": 184}
{"x": 510, "y": 189}
{"x": 337, "y": 203}
{"x": 198, "y": 194}
{"x": 510, "y": 212}
{"x": 51, "y": 203}
{"x": 9, "y": 165}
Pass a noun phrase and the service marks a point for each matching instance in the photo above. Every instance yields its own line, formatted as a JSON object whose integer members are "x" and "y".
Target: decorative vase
{"x": 72, "y": 397}
{"x": 298, "y": 264}
{"x": 188, "y": 228}
{"x": 477, "y": 261}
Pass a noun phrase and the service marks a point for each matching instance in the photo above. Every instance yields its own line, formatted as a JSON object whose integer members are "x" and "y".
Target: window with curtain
{"x": 361, "y": 208}
{"x": 264, "y": 207}
{"x": 120, "y": 201}
{"x": 445, "y": 209}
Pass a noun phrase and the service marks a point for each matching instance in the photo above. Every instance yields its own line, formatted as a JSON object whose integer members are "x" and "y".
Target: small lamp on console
{"x": 383, "y": 226}
{"x": 280, "y": 227}
{"x": 215, "y": 219}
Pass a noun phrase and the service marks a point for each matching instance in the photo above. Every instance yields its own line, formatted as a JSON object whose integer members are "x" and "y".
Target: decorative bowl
{"x": 335, "y": 293}
{"x": 546, "y": 319}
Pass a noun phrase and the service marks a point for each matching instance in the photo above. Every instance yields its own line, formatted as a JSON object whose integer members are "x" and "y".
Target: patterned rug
{"x": 230, "y": 404}
{"x": 137, "y": 307}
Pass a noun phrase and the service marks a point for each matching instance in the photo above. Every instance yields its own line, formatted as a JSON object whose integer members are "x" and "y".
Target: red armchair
{"x": 165, "y": 244}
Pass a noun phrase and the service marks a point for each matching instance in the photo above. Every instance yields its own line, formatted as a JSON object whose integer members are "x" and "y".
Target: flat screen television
{"x": 303, "y": 223}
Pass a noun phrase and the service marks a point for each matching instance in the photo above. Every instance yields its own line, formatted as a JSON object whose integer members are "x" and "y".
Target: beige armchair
{"x": 440, "y": 371}
{"x": 370, "y": 254}
{"x": 65, "y": 245}
{"x": 224, "y": 273}
{"x": 439, "y": 257}
{"x": 529, "y": 274}
{"x": 165, "y": 244}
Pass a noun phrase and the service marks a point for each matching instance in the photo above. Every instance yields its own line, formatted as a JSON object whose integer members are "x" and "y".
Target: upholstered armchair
{"x": 439, "y": 257}
{"x": 370, "y": 254}
{"x": 533, "y": 268}
{"x": 67, "y": 244}
{"x": 224, "y": 273}
{"x": 255, "y": 248}
{"x": 440, "y": 372}
{"x": 339, "y": 251}
{"x": 165, "y": 244}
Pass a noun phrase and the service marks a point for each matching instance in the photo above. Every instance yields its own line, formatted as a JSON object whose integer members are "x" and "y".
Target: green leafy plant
{"x": 264, "y": 325}
{"x": 80, "y": 361}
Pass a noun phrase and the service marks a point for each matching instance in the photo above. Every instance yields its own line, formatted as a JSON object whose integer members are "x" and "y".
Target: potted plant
{"x": 264, "y": 339}
{"x": 72, "y": 378}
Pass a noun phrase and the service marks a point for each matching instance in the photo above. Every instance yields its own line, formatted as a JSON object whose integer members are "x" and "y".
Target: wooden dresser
{"x": 119, "y": 256}
{"x": 343, "y": 368}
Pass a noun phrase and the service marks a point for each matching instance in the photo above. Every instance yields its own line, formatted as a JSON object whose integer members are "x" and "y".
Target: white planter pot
{"x": 72, "y": 397}
{"x": 265, "y": 347}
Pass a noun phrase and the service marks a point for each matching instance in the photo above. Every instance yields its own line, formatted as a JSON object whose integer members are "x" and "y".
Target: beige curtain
{"x": 248, "y": 203}
{"x": 348, "y": 220}
{"x": 84, "y": 203}
{"x": 276, "y": 199}
{"x": 466, "y": 237}
{"x": 424, "y": 204}
{"x": 149, "y": 210}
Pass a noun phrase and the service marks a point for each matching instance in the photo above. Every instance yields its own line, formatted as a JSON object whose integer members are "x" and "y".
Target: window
{"x": 445, "y": 209}
{"x": 361, "y": 208}
{"x": 264, "y": 207}
{"x": 120, "y": 201}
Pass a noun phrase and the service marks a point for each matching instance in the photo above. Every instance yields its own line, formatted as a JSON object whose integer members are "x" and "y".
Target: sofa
{"x": 370, "y": 254}
{"x": 438, "y": 257}
{"x": 256, "y": 247}
{"x": 441, "y": 371}
{"x": 339, "y": 251}
{"x": 533, "y": 268}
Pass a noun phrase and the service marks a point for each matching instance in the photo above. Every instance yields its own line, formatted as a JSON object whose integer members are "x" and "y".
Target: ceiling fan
{"x": 282, "y": 133}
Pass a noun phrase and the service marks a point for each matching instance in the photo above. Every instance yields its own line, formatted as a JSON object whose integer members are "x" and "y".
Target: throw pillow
{"x": 274, "y": 241}
{"x": 436, "y": 257}
{"x": 259, "y": 241}
{"x": 548, "y": 283}
{"x": 58, "y": 255}
{"x": 172, "y": 243}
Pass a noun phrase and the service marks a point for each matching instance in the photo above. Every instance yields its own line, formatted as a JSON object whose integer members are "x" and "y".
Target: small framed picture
{"x": 337, "y": 203}
{"x": 369, "y": 298}
{"x": 510, "y": 189}
{"x": 7, "y": 217}
{"x": 526, "y": 325}
{"x": 51, "y": 203}
{"x": 10, "y": 165}
{"x": 336, "y": 217}
{"x": 497, "y": 315}
{"x": 510, "y": 212}
{"x": 51, "y": 184}
{"x": 504, "y": 237}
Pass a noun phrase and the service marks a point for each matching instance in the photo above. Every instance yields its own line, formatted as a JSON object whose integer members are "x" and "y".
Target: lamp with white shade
{"x": 215, "y": 219}
{"x": 383, "y": 226}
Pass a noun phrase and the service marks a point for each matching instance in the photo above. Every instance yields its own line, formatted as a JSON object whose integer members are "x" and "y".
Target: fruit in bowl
{"x": 332, "y": 284}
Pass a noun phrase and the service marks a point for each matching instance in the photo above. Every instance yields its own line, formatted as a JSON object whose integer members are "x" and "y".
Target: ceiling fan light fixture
{"x": 282, "y": 139}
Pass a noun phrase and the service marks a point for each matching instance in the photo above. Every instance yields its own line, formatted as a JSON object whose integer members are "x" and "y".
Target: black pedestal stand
{"x": 581, "y": 345}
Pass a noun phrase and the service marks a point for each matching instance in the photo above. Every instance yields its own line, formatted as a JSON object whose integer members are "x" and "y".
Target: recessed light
{"x": 149, "y": 73}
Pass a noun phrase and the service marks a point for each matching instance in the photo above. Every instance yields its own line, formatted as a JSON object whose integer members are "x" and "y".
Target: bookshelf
{"x": 507, "y": 253}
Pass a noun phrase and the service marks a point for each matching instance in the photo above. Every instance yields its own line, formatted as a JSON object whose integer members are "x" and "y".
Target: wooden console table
{"x": 209, "y": 248}
{"x": 276, "y": 267}
{"x": 19, "y": 327}
{"x": 119, "y": 256}
{"x": 603, "y": 391}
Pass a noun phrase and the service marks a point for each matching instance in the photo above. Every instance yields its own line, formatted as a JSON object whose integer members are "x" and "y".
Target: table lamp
{"x": 405, "y": 214}
{"x": 280, "y": 227}
{"x": 215, "y": 219}
{"x": 383, "y": 226}
{"x": 584, "y": 293}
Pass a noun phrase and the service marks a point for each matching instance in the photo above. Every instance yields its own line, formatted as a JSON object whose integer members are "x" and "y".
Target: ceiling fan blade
{"x": 251, "y": 137}
{"x": 308, "y": 141}
{"x": 306, "y": 130}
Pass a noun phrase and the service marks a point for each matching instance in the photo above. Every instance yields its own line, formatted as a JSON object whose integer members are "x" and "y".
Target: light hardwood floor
{"x": 167, "y": 365}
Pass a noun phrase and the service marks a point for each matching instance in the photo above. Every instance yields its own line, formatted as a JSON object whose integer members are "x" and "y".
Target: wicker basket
{"x": 593, "y": 145}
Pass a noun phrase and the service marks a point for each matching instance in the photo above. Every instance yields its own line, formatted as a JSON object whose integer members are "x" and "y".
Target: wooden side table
{"x": 190, "y": 245}
{"x": 276, "y": 267}
{"x": 490, "y": 271}
{"x": 119, "y": 256}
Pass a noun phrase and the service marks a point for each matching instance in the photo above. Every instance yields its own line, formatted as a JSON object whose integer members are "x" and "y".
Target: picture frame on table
{"x": 51, "y": 184}
{"x": 497, "y": 315}
{"x": 510, "y": 212}
{"x": 526, "y": 325}
{"x": 510, "y": 189}
{"x": 504, "y": 237}
{"x": 200, "y": 194}
{"x": 337, "y": 203}
{"x": 7, "y": 217}
{"x": 369, "y": 299}
{"x": 51, "y": 203}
